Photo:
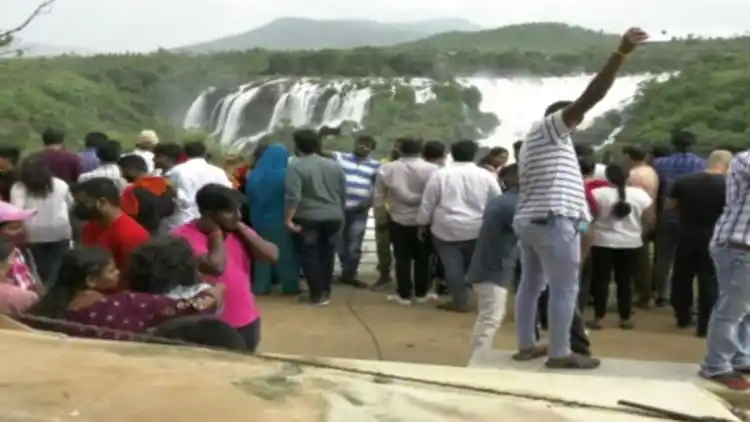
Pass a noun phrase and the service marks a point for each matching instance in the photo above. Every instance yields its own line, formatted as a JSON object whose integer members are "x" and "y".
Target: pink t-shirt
{"x": 15, "y": 299}
{"x": 239, "y": 302}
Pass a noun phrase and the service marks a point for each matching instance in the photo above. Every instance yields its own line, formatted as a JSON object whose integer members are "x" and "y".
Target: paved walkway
{"x": 619, "y": 368}
{"x": 668, "y": 371}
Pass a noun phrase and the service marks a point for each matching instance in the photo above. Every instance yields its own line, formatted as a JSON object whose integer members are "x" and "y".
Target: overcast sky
{"x": 143, "y": 25}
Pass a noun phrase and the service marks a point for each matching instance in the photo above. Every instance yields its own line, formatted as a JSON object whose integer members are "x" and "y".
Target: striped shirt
{"x": 734, "y": 224}
{"x": 360, "y": 178}
{"x": 107, "y": 171}
{"x": 549, "y": 175}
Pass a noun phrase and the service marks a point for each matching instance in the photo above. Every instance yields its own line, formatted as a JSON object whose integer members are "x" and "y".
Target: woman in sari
{"x": 265, "y": 189}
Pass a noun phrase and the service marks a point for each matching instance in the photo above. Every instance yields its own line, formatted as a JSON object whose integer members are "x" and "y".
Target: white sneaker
{"x": 398, "y": 299}
{"x": 428, "y": 297}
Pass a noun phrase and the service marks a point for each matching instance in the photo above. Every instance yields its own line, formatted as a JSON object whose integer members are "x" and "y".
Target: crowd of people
{"x": 161, "y": 241}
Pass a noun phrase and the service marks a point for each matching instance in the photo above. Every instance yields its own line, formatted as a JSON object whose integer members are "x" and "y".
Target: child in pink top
{"x": 12, "y": 219}
{"x": 224, "y": 246}
{"x": 13, "y": 298}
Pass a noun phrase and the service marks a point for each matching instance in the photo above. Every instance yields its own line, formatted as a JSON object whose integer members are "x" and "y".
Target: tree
{"x": 8, "y": 36}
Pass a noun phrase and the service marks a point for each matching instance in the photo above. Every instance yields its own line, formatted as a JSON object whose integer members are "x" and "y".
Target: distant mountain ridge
{"x": 311, "y": 34}
{"x": 546, "y": 37}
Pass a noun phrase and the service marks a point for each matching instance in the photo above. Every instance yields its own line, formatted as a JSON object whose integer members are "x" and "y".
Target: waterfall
{"x": 196, "y": 114}
{"x": 258, "y": 108}
{"x": 519, "y": 102}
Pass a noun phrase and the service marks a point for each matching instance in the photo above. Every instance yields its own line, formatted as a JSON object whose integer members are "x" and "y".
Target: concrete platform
{"x": 611, "y": 367}
{"x": 617, "y": 368}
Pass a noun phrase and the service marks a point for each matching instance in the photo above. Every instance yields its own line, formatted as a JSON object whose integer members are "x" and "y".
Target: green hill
{"x": 548, "y": 37}
{"x": 122, "y": 94}
{"x": 310, "y": 34}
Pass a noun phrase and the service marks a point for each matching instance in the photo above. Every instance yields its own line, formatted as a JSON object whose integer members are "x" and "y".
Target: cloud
{"x": 142, "y": 25}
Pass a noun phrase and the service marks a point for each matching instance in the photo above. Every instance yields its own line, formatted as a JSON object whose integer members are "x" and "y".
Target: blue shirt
{"x": 672, "y": 168}
{"x": 89, "y": 160}
{"x": 360, "y": 178}
{"x": 496, "y": 253}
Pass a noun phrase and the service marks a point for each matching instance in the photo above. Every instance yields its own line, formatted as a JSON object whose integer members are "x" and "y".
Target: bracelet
{"x": 620, "y": 53}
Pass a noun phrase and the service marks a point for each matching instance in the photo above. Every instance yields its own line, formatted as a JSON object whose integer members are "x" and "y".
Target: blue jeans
{"x": 550, "y": 254}
{"x": 349, "y": 243}
{"x": 728, "y": 335}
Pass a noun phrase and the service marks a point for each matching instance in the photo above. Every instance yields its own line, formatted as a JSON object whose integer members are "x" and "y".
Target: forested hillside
{"x": 124, "y": 93}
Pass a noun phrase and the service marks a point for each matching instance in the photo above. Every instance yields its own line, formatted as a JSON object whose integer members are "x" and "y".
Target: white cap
{"x": 149, "y": 136}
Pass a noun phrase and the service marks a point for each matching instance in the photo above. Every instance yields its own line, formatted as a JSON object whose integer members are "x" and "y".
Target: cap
{"x": 10, "y": 212}
{"x": 148, "y": 135}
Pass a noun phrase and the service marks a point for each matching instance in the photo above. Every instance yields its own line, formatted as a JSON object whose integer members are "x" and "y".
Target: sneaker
{"x": 531, "y": 353}
{"x": 573, "y": 361}
{"x": 426, "y": 298}
{"x": 627, "y": 324}
{"x": 454, "y": 307}
{"x": 382, "y": 284}
{"x": 357, "y": 284}
{"x": 731, "y": 380}
{"x": 398, "y": 299}
{"x": 595, "y": 324}
{"x": 323, "y": 301}
{"x": 307, "y": 300}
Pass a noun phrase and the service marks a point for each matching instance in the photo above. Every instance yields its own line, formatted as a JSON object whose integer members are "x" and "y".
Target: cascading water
{"x": 516, "y": 101}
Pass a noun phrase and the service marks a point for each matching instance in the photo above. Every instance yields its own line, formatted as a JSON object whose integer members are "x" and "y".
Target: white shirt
{"x": 187, "y": 179}
{"x": 625, "y": 233}
{"x": 51, "y": 223}
{"x": 108, "y": 171}
{"x": 549, "y": 175}
{"x": 600, "y": 171}
{"x": 454, "y": 199}
{"x": 400, "y": 186}
{"x": 147, "y": 156}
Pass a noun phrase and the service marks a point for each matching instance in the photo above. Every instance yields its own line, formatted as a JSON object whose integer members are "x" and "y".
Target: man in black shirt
{"x": 699, "y": 199}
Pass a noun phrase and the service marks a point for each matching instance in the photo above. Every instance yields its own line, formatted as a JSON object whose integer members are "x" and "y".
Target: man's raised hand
{"x": 631, "y": 39}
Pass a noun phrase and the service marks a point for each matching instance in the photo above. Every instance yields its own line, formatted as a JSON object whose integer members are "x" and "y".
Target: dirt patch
{"x": 423, "y": 334}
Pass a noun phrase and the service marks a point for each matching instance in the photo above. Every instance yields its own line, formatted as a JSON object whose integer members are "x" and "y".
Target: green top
{"x": 315, "y": 188}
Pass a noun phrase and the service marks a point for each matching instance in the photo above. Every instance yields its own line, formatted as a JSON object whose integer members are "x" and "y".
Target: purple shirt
{"x": 89, "y": 160}
{"x": 63, "y": 164}
{"x": 132, "y": 312}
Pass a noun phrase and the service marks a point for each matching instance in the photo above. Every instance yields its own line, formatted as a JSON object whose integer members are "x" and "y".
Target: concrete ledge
{"x": 618, "y": 368}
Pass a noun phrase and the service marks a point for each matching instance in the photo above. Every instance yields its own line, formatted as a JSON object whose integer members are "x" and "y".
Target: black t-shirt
{"x": 700, "y": 200}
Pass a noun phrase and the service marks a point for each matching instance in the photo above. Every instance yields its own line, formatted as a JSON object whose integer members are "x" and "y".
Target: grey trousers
{"x": 456, "y": 257}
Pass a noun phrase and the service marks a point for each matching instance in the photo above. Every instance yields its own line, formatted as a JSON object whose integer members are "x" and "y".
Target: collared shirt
{"x": 401, "y": 184}
{"x": 107, "y": 171}
{"x": 360, "y": 177}
{"x": 148, "y": 156}
{"x": 670, "y": 169}
{"x": 187, "y": 179}
{"x": 734, "y": 224}
{"x": 89, "y": 160}
{"x": 673, "y": 167}
{"x": 550, "y": 177}
{"x": 454, "y": 200}
{"x": 496, "y": 253}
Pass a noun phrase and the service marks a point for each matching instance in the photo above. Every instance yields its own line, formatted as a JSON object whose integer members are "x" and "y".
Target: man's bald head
{"x": 718, "y": 161}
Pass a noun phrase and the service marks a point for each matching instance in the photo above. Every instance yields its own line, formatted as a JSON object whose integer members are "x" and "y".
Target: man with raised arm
{"x": 552, "y": 212}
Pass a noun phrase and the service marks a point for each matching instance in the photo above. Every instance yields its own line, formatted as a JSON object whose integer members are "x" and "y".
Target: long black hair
{"x": 77, "y": 265}
{"x": 36, "y": 177}
{"x": 162, "y": 264}
{"x": 617, "y": 175}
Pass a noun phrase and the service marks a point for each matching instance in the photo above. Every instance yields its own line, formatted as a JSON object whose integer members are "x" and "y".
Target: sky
{"x": 145, "y": 25}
